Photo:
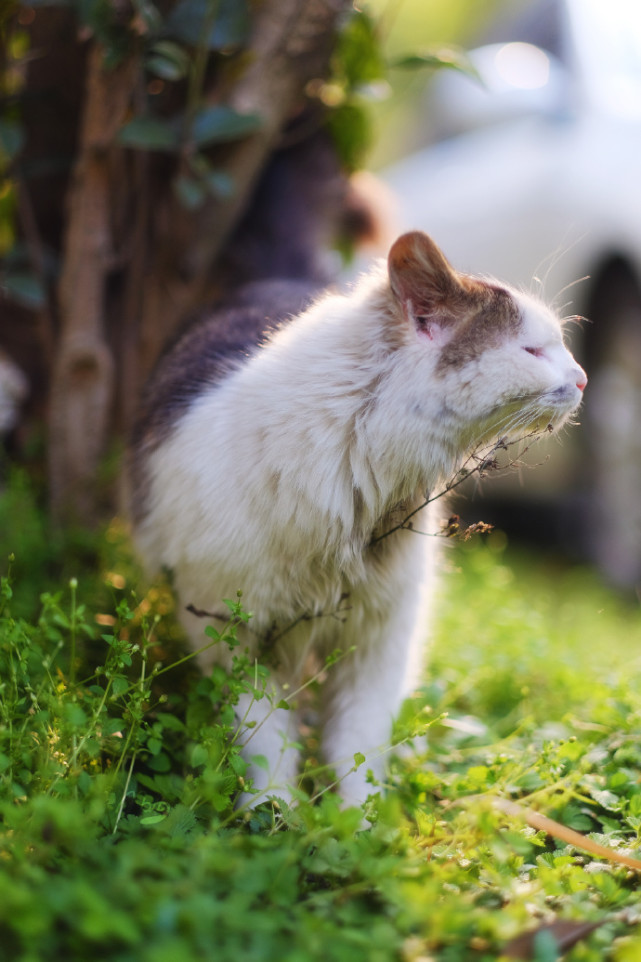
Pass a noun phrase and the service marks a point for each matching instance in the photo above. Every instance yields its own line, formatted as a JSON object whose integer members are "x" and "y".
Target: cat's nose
{"x": 581, "y": 379}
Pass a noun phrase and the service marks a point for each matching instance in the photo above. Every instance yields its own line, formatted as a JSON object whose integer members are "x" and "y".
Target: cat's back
{"x": 211, "y": 346}
{"x": 199, "y": 360}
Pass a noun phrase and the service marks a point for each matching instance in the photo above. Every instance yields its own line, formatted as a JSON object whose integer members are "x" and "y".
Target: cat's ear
{"x": 423, "y": 281}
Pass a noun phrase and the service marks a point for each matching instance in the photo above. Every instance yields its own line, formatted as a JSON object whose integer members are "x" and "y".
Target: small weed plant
{"x": 121, "y": 765}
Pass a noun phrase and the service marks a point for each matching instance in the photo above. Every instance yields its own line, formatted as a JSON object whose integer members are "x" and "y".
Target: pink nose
{"x": 581, "y": 384}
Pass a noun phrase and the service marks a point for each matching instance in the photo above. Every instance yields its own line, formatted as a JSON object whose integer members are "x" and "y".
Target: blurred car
{"x": 536, "y": 179}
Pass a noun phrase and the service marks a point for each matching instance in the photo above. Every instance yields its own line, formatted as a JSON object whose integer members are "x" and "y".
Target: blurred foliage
{"x": 182, "y": 54}
{"x": 365, "y": 97}
{"x": 422, "y": 36}
{"x": 411, "y": 25}
{"x": 119, "y": 770}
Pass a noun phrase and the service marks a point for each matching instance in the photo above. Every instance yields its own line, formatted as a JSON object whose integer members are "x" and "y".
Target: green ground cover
{"x": 118, "y": 772}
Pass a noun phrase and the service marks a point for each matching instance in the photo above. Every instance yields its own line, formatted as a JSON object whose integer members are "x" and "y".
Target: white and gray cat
{"x": 278, "y": 441}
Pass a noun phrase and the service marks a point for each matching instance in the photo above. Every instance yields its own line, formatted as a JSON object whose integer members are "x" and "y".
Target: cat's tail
{"x": 304, "y": 209}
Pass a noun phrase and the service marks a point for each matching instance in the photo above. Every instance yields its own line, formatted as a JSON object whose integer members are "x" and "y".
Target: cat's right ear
{"x": 423, "y": 281}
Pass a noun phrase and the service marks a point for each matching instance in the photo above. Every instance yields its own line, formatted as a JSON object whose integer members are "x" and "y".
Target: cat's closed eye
{"x": 535, "y": 351}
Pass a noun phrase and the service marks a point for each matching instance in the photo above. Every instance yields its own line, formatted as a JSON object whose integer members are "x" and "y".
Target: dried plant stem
{"x": 482, "y": 463}
{"x": 544, "y": 824}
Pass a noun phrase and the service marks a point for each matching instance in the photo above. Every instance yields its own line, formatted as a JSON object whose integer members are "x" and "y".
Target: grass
{"x": 119, "y": 769}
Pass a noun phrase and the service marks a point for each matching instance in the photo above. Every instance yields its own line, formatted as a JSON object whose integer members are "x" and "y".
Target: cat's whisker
{"x": 567, "y": 287}
{"x": 577, "y": 319}
{"x": 547, "y": 265}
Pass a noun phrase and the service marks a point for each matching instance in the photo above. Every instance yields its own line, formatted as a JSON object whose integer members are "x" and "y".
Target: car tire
{"x": 613, "y": 426}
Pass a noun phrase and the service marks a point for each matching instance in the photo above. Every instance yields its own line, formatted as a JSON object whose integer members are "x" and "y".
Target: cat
{"x": 284, "y": 437}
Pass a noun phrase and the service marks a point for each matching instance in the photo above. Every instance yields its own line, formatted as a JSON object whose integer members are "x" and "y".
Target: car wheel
{"x": 613, "y": 427}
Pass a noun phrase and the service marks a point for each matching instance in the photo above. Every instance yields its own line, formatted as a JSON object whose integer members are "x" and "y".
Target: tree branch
{"x": 477, "y": 463}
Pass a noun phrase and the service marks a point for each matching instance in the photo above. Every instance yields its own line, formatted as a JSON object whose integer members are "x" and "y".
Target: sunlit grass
{"x": 545, "y": 636}
{"x": 119, "y": 770}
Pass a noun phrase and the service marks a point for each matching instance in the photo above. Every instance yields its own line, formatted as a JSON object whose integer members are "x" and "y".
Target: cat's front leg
{"x": 364, "y": 692}
{"x": 268, "y": 737}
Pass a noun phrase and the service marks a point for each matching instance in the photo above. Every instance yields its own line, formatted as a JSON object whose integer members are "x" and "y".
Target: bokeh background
{"x": 525, "y": 168}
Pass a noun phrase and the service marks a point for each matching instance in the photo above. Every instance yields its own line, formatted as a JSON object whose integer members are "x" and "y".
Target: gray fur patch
{"x": 203, "y": 354}
{"x": 492, "y": 316}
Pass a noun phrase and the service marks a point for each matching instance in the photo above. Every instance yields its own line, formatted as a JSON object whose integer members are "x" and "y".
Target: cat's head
{"x": 496, "y": 356}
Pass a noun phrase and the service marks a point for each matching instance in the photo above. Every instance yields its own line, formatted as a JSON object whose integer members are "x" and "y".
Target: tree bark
{"x": 82, "y": 378}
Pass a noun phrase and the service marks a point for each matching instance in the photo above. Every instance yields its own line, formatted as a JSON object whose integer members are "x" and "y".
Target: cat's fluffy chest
{"x": 294, "y": 544}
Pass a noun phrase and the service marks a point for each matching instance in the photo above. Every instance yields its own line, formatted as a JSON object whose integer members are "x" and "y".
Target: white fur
{"x": 254, "y": 490}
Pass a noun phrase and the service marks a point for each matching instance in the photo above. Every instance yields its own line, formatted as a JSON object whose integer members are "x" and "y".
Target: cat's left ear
{"x": 423, "y": 282}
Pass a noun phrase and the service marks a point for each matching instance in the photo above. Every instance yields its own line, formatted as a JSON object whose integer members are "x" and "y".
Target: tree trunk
{"x": 82, "y": 378}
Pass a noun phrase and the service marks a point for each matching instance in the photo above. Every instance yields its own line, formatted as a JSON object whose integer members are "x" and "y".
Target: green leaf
{"x": 149, "y": 133}
{"x": 220, "y": 124}
{"x": 152, "y": 819}
{"x": 238, "y": 764}
{"x": 359, "y": 59}
{"x": 199, "y": 756}
{"x": 230, "y": 29}
{"x": 107, "y": 26}
{"x": 159, "y": 762}
{"x": 608, "y": 800}
{"x": 576, "y": 818}
{"x": 220, "y": 184}
{"x": 11, "y": 138}
{"x": 119, "y": 685}
{"x": 75, "y": 714}
{"x": 149, "y": 14}
{"x": 359, "y": 759}
{"x": 351, "y": 129}
{"x": 450, "y": 58}
{"x": 111, "y": 726}
{"x": 180, "y": 822}
{"x": 168, "y": 61}
{"x": 24, "y": 288}
{"x": 191, "y": 193}
{"x": 168, "y": 721}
